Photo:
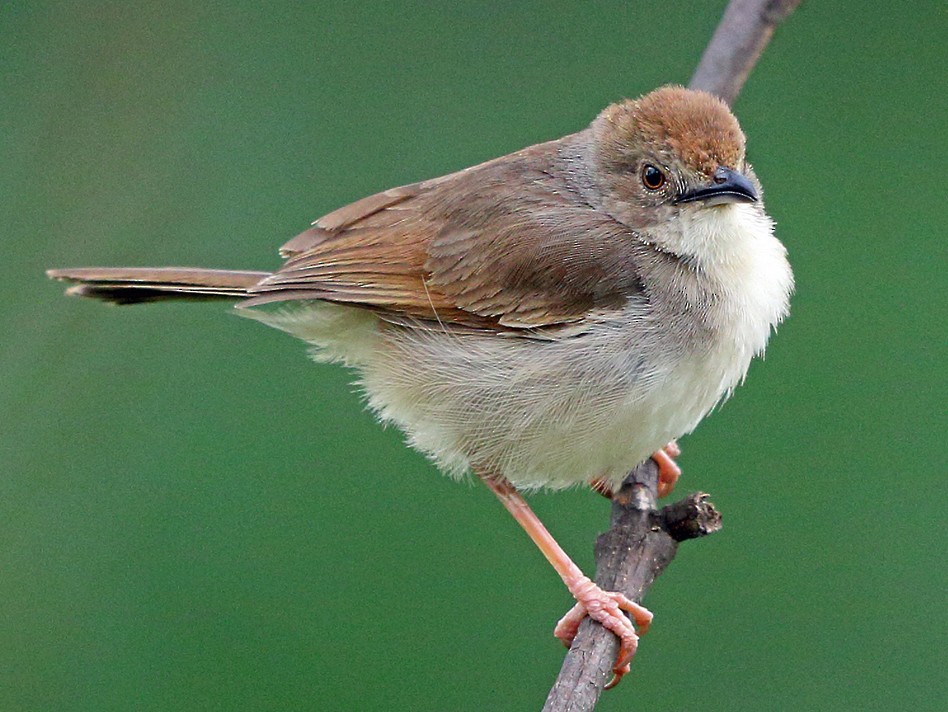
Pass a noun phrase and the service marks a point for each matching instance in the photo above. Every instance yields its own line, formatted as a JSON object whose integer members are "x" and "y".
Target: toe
{"x": 668, "y": 472}
{"x": 627, "y": 646}
{"x": 568, "y": 625}
{"x": 640, "y": 614}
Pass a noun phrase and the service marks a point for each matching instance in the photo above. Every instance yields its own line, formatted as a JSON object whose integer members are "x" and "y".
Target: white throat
{"x": 746, "y": 269}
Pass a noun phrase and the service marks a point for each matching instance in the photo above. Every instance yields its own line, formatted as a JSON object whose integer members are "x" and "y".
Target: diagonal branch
{"x": 642, "y": 541}
{"x": 741, "y": 36}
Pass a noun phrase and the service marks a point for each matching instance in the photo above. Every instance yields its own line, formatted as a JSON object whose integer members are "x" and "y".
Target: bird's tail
{"x": 134, "y": 285}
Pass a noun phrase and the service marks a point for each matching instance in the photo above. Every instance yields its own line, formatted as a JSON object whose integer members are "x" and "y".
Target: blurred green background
{"x": 195, "y": 517}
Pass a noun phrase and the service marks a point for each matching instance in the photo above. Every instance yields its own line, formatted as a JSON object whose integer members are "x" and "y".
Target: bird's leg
{"x": 668, "y": 470}
{"x": 606, "y": 607}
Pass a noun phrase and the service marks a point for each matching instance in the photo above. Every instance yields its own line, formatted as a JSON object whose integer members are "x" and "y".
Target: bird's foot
{"x": 668, "y": 470}
{"x": 607, "y": 608}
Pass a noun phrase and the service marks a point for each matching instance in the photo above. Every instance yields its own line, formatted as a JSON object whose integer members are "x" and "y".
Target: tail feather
{"x": 134, "y": 285}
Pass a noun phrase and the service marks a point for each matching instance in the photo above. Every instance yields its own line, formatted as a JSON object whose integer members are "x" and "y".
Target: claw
{"x": 607, "y": 608}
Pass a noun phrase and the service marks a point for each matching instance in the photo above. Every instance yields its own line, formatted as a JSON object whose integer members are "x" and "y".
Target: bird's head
{"x": 670, "y": 154}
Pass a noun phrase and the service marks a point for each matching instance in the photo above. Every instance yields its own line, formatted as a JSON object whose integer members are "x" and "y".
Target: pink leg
{"x": 668, "y": 470}
{"x": 606, "y": 607}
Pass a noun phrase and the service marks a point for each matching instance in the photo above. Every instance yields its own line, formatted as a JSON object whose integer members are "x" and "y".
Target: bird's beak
{"x": 728, "y": 186}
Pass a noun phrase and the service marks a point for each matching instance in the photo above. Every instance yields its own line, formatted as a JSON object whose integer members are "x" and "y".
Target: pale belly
{"x": 543, "y": 414}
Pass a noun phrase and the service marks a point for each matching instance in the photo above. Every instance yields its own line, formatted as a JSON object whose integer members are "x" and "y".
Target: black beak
{"x": 729, "y": 187}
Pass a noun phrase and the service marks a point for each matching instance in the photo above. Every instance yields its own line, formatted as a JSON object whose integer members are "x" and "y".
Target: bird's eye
{"x": 652, "y": 177}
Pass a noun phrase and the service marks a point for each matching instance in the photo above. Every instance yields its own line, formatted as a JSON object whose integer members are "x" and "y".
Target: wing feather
{"x": 470, "y": 250}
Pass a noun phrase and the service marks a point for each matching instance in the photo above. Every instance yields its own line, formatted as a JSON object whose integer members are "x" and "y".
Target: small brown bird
{"x": 544, "y": 319}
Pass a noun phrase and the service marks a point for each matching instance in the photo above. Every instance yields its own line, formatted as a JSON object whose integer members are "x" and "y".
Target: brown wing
{"x": 504, "y": 245}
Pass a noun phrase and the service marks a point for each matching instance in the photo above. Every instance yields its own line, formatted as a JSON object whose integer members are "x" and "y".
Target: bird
{"x": 549, "y": 318}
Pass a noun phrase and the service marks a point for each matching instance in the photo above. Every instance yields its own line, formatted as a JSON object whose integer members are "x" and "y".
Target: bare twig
{"x": 741, "y": 36}
{"x": 641, "y": 541}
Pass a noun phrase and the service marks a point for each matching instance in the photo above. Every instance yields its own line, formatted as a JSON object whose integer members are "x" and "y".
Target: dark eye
{"x": 652, "y": 177}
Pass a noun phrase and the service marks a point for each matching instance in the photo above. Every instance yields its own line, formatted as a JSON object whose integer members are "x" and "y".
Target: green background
{"x": 195, "y": 517}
